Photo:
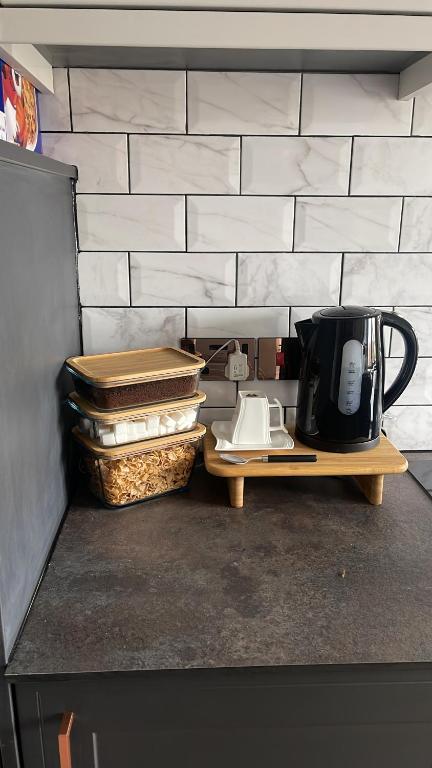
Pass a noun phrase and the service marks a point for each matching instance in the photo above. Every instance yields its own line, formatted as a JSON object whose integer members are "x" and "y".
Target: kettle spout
{"x": 305, "y": 331}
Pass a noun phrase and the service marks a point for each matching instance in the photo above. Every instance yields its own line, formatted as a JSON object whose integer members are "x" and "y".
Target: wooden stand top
{"x": 384, "y": 459}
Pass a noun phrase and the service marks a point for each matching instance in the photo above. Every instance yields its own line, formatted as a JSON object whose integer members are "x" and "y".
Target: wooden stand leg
{"x": 372, "y": 487}
{"x": 235, "y": 489}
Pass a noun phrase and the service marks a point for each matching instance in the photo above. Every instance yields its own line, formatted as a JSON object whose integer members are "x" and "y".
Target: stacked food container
{"x": 138, "y": 429}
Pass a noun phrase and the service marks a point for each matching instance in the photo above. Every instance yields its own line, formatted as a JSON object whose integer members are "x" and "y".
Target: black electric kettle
{"x": 341, "y": 395}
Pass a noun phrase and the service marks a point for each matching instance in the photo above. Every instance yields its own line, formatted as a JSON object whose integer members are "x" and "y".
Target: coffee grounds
{"x": 157, "y": 391}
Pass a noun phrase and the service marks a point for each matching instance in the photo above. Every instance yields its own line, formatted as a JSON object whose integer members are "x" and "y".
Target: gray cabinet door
{"x": 229, "y": 720}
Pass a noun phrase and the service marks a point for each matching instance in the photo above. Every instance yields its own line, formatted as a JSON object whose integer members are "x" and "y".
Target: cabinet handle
{"x": 64, "y": 740}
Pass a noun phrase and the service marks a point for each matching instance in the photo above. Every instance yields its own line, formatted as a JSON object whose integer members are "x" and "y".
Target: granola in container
{"x": 140, "y": 471}
{"x": 137, "y": 377}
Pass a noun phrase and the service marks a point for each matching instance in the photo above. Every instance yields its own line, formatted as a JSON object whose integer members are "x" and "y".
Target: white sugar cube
{"x": 167, "y": 421}
{"x": 108, "y": 439}
{"x": 153, "y": 421}
{"x": 121, "y": 431}
{"x": 179, "y": 419}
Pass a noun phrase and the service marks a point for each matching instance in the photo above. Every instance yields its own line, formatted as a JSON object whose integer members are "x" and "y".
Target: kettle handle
{"x": 410, "y": 358}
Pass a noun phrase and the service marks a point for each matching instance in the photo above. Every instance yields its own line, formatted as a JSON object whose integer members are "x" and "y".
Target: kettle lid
{"x": 344, "y": 313}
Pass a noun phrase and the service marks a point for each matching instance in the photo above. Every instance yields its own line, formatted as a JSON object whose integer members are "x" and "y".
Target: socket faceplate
{"x": 205, "y": 348}
{"x": 278, "y": 358}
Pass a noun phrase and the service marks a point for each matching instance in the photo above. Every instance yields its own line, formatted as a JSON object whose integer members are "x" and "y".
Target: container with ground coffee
{"x": 139, "y": 377}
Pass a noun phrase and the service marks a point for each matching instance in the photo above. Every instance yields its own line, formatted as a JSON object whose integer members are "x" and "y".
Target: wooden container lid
{"x": 130, "y": 449}
{"x": 134, "y": 366}
{"x": 90, "y": 411}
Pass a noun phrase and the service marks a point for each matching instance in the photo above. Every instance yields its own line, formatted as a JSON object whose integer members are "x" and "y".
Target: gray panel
{"x": 35, "y": 161}
{"x": 38, "y": 329}
{"x": 180, "y": 58}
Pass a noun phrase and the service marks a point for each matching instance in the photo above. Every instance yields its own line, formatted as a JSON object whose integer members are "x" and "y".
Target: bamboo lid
{"x": 134, "y": 366}
{"x": 130, "y": 449}
{"x": 90, "y": 411}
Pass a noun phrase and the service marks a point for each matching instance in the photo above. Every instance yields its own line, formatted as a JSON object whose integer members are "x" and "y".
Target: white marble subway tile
{"x": 101, "y": 159}
{"x": 125, "y": 100}
{"x": 347, "y": 224}
{"x": 288, "y": 278}
{"x": 131, "y": 222}
{"x": 387, "y": 279}
{"x": 410, "y": 427}
{"x": 421, "y": 320}
{"x": 183, "y": 279}
{"x": 419, "y": 390}
{"x": 185, "y": 164}
{"x": 218, "y": 223}
{"x": 416, "y": 232}
{"x": 54, "y": 108}
{"x": 208, "y": 415}
{"x": 422, "y": 120}
{"x": 103, "y": 279}
{"x": 304, "y": 313}
{"x": 220, "y": 394}
{"x": 342, "y": 104}
{"x": 295, "y": 165}
{"x": 117, "y": 329}
{"x": 284, "y": 391}
{"x": 243, "y": 102}
{"x": 249, "y": 322}
{"x": 391, "y": 166}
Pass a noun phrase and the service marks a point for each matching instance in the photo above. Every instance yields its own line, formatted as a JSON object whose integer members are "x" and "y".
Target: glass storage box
{"x": 125, "y": 379}
{"x": 132, "y": 473}
{"x": 109, "y": 428}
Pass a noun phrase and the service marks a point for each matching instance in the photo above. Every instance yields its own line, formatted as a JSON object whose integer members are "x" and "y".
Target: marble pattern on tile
{"x": 288, "y": 278}
{"x": 421, "y": 320}
{"x": 419, "y": 390}
{"x": 416, "y": 234}
{"x": 101, "y": 159}
{"x": 422, "y": 119}
{"x": 392, "y": 166}
{"x": 243, "y": 102}
{"x": 295, "y": 165}
{"x": 304, "y": 313}
{"x": 131, "y": 222}
{"x": 409, "y": 427}
{"x": 249, "y": 322}
{"x": 220, "y": 394}
{"x": 284, "y": 391}
{"x": 125, "y": 100}
{"x": 183, "y": 279}
{"x": 103, "y": 279}
{"x": 185, "y": 164}
{"x": 387, "y": 278}
{"x": 54, "y": 109}
{"x": 218, "y": 223}
{"x": 117, "y": 329}
{"x": 353, "y": 104}
{"x": 347, "y": 224}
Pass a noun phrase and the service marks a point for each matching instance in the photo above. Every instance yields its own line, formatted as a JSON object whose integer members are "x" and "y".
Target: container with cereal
{"x": 139, "y": 377}
{"x": 139, "y": 471}
{"x": 146, "y": 422}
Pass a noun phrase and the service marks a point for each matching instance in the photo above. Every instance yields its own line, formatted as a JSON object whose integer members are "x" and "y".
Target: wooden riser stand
{"x": 368, "y": 467}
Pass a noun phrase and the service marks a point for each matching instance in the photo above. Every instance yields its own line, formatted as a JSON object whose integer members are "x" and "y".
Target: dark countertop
{"x": 185, "y": 581}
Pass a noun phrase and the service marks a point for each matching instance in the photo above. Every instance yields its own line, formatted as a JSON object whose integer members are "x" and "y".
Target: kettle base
{"x": 333, "y": 446}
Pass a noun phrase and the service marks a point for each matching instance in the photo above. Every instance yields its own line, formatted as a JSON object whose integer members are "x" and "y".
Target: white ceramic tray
{"x": 222, "y": 430}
